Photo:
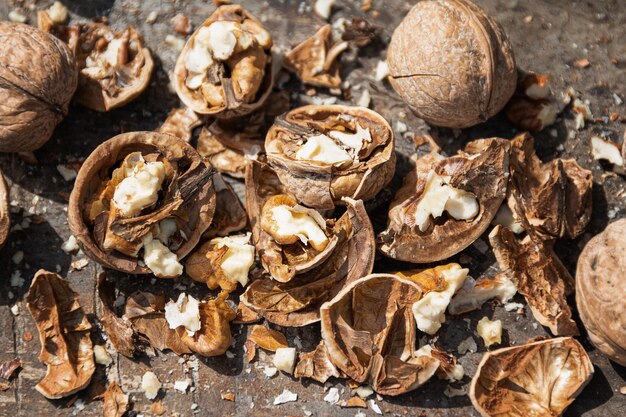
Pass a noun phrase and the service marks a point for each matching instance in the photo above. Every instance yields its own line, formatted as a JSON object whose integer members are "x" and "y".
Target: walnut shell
{"x": 601, "y": 290}
{"x": 451, "y": 63}
{"x": 480, "y": 170}
{"x": 193, "y": 216}
{"x": 227, "y": 79}
{"x": 5, "y": 214}
{"x": 321, "y": 185}
{"x": 39, "y": 77}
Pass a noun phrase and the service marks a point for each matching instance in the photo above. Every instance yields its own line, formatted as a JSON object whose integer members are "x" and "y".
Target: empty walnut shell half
{"x": 225, "y": 68}
{"x": 39, "y": 77}
{"x": 537, "y": 379}
{"x": 324, "y": 153}
{"x": 445, "y": 204}
{"x": 470, "y": 78}
{"x": 369, "y": 331}
{"x": 601, "y": 290}
{"x": 5, "y": 214}
{"x": 138, "y": 186}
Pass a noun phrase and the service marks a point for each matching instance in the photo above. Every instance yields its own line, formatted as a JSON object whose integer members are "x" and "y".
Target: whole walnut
{"x": 451, "y": 63}
{"x": 39, "y": 77}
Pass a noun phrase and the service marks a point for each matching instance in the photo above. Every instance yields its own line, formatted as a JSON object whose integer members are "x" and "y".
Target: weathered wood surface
{"x": 547, "y": 37}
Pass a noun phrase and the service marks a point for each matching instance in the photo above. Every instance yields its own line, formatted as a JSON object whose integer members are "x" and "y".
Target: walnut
{"x": 225, "y": 68}
{"x": 451, "y": 63}
{"x": 533, "y": 107}
{"x": 39, "y": 78}
{"x": 142, "y": 191}
{"x": 601, "y": 290}
{"x": 445, "y": 204}
{"x": 324, "y": 153}
{"x": 114, "y": 67}
{"x": 5, "y": 214}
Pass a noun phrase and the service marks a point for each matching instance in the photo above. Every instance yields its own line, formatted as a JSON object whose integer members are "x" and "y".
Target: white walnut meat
{"x": 533, "y": 107}
{"x": 66, "y": 346}
{"x": 142, "y": 191}
{"x": 225, "y": 68}
{"x": 38, "y": 76}
{"x": 601, "y": 290}
{"x": 114, "y": 67}
{"x": 5, "y": 214}
{"x": 536, "y": 379}
{"x": 324, "y": 153}
{"x": 445, "y": 204}
{"x": 539, "y": 276}
{"x": 370, "y": 333}
{"x": 451, "y": 63}
{"x": 551, "y": 199}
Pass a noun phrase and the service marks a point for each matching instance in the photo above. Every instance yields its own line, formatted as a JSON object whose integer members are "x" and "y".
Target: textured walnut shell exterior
{"x": 601, "y": 290}
{"x": 322, "y": 186}
{"x": 451, "y": 63}
{"x": 484, "y": 176}
{"x": 5, "y": 215}
{"x": 194, "y": 100}
{"x": 38, "y": 77}
{"x": 97, "y": 168}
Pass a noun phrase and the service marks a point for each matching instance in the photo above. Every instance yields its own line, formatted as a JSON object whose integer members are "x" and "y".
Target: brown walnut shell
{"x": 537, "y": 379}
{"x": 233, "y": 106}
{"x": 321, "y": 185}
{"x": 601, "y": 290}
{"x": 481, "y": 170}
{"x": 193, "y": 177}
{"x": 451, "y": 63}
{"x": 5, "y": 214}
{"x": 38, "y": 77}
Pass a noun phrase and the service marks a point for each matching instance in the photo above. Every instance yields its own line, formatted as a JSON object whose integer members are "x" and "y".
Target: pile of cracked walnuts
{"x": 301, "y": 250}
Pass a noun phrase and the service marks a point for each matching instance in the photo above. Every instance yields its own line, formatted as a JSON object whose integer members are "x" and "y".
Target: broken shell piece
{"x": 490, "y": 331}
{"x": 132, "y": 189}
{"x": 467, "y": 299}
{"x": 601, "y": 290}
{"x": 533, "y": 107}
{"x": 66, "y": 346}
{"x": 369, "y": 330}
{"x": 449, "y": 369}
{"x": 285, "y": 359}
{"x": 539, "y": 276}
{"x": 445, "y": 204}
{"x": 324, "y": 153}
{"x": 5, "y": 216}
{"x": 114, "y": 67}
{"x": 539, "y": 378}
{"x": 181, "y": 123}
{"x": 268, "y": 339}
{"x": 225, "y": 68}
{"x": 608, "y": 151}
{"x": 184, "y": 312}
{"x": 230, "y": 215}
{"x": 115, "y": 401}
{"x": 318, "y": 366}
{"x": 551, "y": 199}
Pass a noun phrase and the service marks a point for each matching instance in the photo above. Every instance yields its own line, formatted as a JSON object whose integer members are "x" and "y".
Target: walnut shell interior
{"x": 5, "y": 214}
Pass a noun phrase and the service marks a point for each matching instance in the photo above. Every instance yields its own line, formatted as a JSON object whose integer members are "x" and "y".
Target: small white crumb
{"x": 375, "y": 408}
{"x": 230, "y": 355}
{"x": 194, "y": 406}
{"x": 286, "y": 397}
{"x": 285, "y": 359}
{"x": 68, "y": 174}
{"x": 58, "y": 13}
{"x": 176, "y": 42}
{"x": 382, "y": 71}
{"x": 17, "y": 16}
{"x": 270, "y": 371}
{"x": 80, "y": 404}
{"x": 18, "y": 257}
{"x": 332, "y": 396}
{"x": 182, "y": 385}
{"x": 101, "y": 355}
{"x": 15, "y": 309}
{"x": 80, "y": 263}
{"x": 150, "y": 385}
{"x": 364, "y": 391}
{"x": 401, "y": 127}
{"x": 16, "y": 279}
{"x": 514, "y": 307}
{"x": 452, "y": 392}
{"x": 70, "y": 245}
{"x": 307, "y": 413}
{"x": 365, "y": 99}
{"x": 618, "y": 99}
{"x": 152, "y": 17}
{"x": 323, "y": 7}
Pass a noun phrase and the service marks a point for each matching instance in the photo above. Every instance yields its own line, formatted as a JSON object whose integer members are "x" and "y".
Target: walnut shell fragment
{"x": 539, "y": 276}
{"x": 5, "y": 214}
{"x": 114, "y": 67}
{"x": 181, "y": 123}
{"x": 230, "y": 215}
{"x": 317, "y": 365}
{"x": 471, "y": 76}
{"x": 445, "y": 204}
{"x": 324, "y": 153}
{"x": 115, "y": 401}
{"x": 175, "y": 213}
{"x": 225, "y": 68}
{"x": 601, "y": 290}
{"x": 369, "y": 331}
{"x": 533, "y": 107}
{"x": 66, "y": 346}
{"x": 551, "y": 199}
{"x": 539, "y": 379}
{"x": 39, "y": 77}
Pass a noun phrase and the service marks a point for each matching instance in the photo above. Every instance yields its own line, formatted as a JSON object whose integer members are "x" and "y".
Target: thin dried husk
{"x": 115, "y": 401}
{"x": 320, "y": 185}
{"x": 188, "y": 191}
{"x": 550, "y": 200}
{"x": 539, "y": 276}
{"x": 64, "y": 330}
{"x": 480, "y": 169}
{"x": 539, "y": 379}
{"x": 472, "y": 76}
{"x": 39, "y": 77}
{"x": 112, "y": 85}
{"x": 266, "y": 338}
{"x": 233, "y": 106}
{"x": 5, "y": 214}
{"x": 181, "y": 123}
{"x": 230, "y": 215}
{"x": 601, "y": 290}
{"x": 245, "y": 315}
{"x": 317, "y": 365}
{"x": 370, "y": 333}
